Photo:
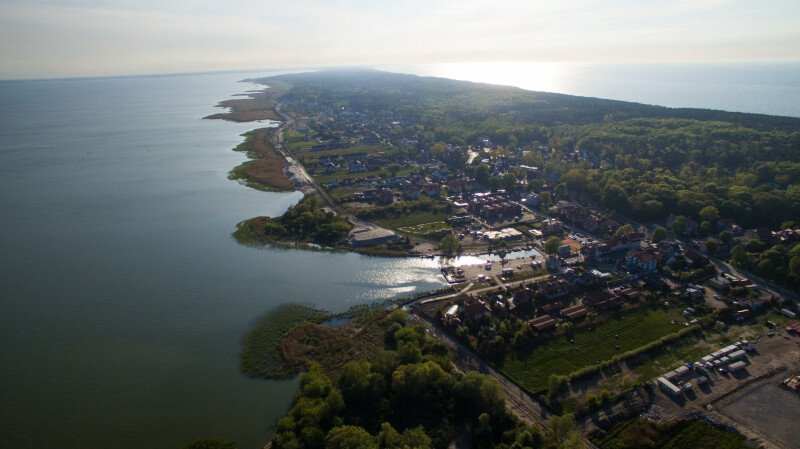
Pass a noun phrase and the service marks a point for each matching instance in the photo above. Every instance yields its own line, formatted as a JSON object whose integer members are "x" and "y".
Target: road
{"x": 519, "y": 401}
{"x": 480, "y": 290}
{"x": 293, "y": 165}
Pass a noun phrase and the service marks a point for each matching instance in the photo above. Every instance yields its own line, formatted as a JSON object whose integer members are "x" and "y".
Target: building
{"x": 551, "y": 226}
{"x": 640, "y": 259}
{"x": 507, "y": 234}
{"x": 574, "y": 312}
{"x": 370, "y": 237}
{"x": 476, "y": 309}
{"x": 542, "y": 323}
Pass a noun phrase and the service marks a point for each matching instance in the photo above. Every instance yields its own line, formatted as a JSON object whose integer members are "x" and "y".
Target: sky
{"x": 63, "y": 38}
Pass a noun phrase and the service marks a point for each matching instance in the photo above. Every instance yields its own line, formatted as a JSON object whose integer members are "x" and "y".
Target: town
{"x": 578, "y": 307}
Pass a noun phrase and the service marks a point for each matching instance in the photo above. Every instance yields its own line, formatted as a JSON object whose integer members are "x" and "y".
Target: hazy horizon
{"x": 74, "y": 38}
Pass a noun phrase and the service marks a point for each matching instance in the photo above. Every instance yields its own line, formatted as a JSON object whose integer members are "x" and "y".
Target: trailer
{"x": 737, "y": 355}
{"x": 728, "y": 349}
{"x": 737, "y": 366}
{"x": 668, "y": 387}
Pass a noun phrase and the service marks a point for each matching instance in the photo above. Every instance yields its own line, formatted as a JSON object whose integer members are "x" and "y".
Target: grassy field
{"x": 423, "y": 229}
{"x": 265, "y": 170}
{"x": 261, "y": 346}
{"x": 690, "y": 434}
{"x": 691, "y": 348}
{"x": 324, "y": 178}
{"x": 413, "y": 219}
{"x": 316, "y": 155}
{"x": 532, "y": 365}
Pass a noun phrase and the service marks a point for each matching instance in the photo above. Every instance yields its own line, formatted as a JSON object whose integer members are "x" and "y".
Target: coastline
{"x": 265, "y": 169}
{"x": 271, "y": 169}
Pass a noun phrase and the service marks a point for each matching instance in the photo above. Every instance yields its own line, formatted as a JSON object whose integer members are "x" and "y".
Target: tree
{"x": 552, "y": 245}
{"x": 711, "y": 246}
{"x": 437, "y": 150}
{"x": 659, "y": 234}
{"x": 388, "y": 437}
{"x": 794, "y": 265}
{"x": 546, "y": 198}
{"x": 349, "y": 437}
{"x": 509, "y": 181}
{"x": 739, "y": 256}
{"x": 624, "y": 230}
{"x": 679, "y": 225}
{"x": 414, "y": 438}
{"x": 555, "y": 383}
{"x": 614, "y": 197}
{"x": 482, "y": 175}
{"x": 562, "y": 431}
{"x": 449, "y": 244}
{"x": 709, "y": 214}
{"x": 483, "y": 433}
{"x": 766, "y": 268}
{"x": 394, "y": 168}
{"x": 754, "y": 246}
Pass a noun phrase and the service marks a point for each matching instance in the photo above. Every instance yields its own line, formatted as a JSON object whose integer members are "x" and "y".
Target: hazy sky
{"x": 44, "y": 38}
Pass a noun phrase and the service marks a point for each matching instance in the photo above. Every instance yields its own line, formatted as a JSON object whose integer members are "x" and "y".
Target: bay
{"x": 124, "y": 296}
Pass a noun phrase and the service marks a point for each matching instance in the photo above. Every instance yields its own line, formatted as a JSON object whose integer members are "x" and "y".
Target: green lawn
{"x": 413, "y": 219}
{"x": 323, "y": 178}
{"x": 690, "y": 434}
{"x": 315, "y": 155}
{"x": 423, "y": 229}
{"x": 532, "y": 365}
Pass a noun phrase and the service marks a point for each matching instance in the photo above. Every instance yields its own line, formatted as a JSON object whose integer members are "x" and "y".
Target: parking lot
{"x": 769, "y": 410}
{"x": 780, "y": 351}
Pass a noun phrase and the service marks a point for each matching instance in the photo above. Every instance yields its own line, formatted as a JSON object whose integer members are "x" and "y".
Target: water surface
{"x": 124, "y": 297}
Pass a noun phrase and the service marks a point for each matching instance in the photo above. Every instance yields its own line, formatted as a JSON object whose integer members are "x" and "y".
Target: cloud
{"x": 66, "y": 37}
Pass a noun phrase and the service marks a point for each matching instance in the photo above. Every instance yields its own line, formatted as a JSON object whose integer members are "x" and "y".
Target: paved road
{"x": 480, "y": 290}
{"x": 297, "y": 167}
{"x": 759, "y": 281}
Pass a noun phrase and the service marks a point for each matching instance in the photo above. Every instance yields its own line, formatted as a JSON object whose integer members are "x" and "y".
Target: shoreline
{"x": 271, "y": 169}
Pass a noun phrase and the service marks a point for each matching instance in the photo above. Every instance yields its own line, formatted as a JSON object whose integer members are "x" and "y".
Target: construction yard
{"x": 749, "y": 399}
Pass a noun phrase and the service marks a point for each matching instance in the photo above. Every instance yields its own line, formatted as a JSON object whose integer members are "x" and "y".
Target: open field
{"x": 694, "y": 434}
{"x": 258, "y": 105}
{"x": 421, "y": 230}
{"x": 265, "y": 170}
{"x": 324, "y": 178}
{"x": 532, "y": 365}
{"x": 770, "y": 410}
{"x": 412, "y": 219}
{"x": 316, "y": 155}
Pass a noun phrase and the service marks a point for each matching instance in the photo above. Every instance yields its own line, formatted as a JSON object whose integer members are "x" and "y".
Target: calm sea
{"x": 760, "y": 87}
{"x": 124, "y": 298}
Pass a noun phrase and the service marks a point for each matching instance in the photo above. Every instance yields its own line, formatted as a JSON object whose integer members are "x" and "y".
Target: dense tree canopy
{"x": 408, "y": 396}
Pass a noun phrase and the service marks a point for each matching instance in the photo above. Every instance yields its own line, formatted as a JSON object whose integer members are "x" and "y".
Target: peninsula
{"x": 649, "y": 258}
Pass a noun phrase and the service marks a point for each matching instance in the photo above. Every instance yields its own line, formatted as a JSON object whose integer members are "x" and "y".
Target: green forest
{"x": 407, "y": 396}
